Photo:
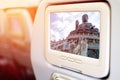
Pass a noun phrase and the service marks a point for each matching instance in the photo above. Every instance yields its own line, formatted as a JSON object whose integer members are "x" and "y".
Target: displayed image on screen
{"x": 76, "y": 33}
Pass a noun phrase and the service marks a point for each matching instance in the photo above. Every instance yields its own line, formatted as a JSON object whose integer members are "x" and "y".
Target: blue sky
{"x": 62, "y": 23}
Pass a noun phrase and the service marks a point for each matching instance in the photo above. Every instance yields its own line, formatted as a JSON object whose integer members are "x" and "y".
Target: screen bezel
{"x": 98, "y": 67}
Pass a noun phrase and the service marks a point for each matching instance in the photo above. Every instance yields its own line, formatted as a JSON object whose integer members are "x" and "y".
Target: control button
{"x": 78, "y": 61}
{"x": 70, "y": 59}
{"x": 63, "y": 57}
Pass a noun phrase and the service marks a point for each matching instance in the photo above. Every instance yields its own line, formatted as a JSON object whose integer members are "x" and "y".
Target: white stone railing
{"x": 85, "y": 36}
{"x": 93, "y": 46}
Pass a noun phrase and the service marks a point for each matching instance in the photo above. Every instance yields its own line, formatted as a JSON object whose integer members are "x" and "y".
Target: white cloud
{"x": 65, "y": 22}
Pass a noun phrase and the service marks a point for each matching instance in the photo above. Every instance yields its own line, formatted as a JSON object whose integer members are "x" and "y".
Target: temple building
{"x": 84, "y": 40}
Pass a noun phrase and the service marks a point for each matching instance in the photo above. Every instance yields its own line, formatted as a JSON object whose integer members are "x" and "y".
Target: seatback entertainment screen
{"x": 75, "y": 33}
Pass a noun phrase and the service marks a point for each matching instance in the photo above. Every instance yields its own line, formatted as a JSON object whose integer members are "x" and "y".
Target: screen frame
{"x": 98, "y": 67}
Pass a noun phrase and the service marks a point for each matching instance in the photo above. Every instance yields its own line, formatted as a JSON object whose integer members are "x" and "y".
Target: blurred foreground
{"x": 15, "y": 33}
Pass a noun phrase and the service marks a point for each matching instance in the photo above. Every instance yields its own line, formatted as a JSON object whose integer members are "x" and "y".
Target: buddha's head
{"x": 85, "y": 18}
